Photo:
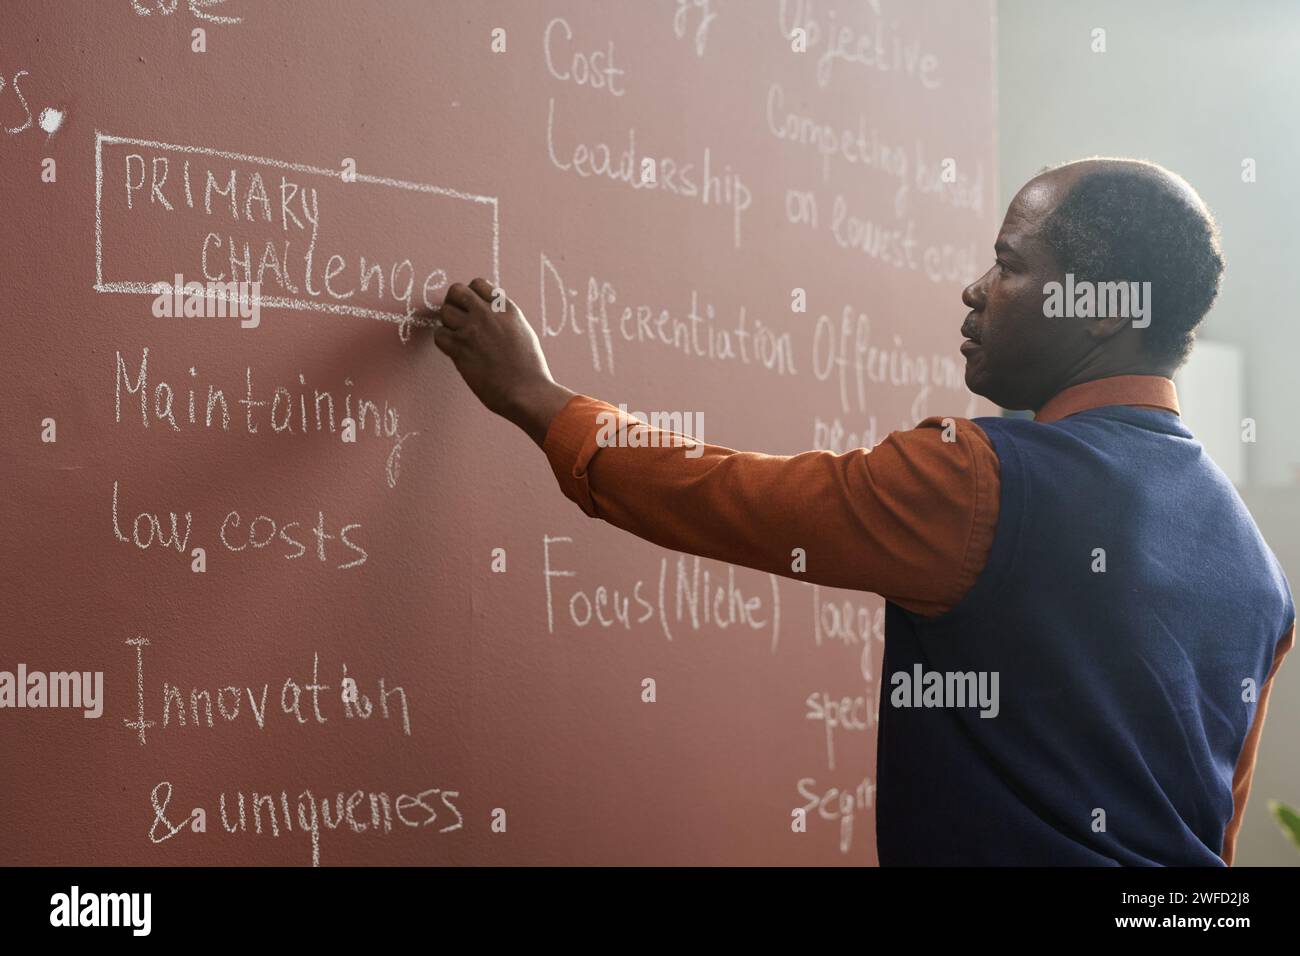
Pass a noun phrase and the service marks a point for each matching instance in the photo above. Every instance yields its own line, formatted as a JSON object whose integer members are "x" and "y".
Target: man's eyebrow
{"x": 1002, "y": 247}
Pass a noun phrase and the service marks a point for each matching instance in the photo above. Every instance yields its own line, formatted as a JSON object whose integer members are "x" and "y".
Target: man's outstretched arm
{"x": 912, "y": 519}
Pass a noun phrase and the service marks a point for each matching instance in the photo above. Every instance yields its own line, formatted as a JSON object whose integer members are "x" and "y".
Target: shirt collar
{"x": 1154, "y": 391}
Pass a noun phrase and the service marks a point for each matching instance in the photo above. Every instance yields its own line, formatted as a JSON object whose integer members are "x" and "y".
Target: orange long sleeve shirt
{"x": 912, "y": 519}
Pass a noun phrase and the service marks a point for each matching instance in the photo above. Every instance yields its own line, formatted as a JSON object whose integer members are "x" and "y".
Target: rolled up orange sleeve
{"x": 911, "y": 519}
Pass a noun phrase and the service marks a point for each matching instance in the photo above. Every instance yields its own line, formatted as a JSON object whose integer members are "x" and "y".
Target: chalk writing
{"x": 702, "y": 179}
{"x": 244, "y": 532}
{"x": 198, "y": 8}
{"x": 858, "y": 145}
{"x": 701, "y": 14}
{"x": 432, "y": 810}
{"x": 293, "y": 409}
{"x": 284, "y": 216}
{"x": 696, "y": 333}
{"x": 696, "y": 598}
{"x": 856, "y": 713}
{"x": 845, "y": 352}
{"x": 595, "y": 69}
{"x": 879, "y": 47}
{"x": 835, "y": 804}
{"x": 302, "y": 701}
{"x": 850, "y": 623}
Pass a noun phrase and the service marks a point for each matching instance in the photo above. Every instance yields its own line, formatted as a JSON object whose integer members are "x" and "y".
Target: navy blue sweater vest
{"x": 1123, "y": 700}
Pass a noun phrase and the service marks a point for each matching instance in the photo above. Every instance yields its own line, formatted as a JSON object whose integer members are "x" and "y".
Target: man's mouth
{"x": 971, "y": 335}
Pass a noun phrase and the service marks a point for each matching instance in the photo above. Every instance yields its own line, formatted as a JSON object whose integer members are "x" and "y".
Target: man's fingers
{"x": 461, "y": 301}
{"x": 447, "y": 341}
{"x": 484, "y": 289}
{"x": 451, "y": 316}
{"x": 461, "y": 296}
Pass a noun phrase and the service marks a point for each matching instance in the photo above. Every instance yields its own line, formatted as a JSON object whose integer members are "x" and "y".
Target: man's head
{"x": 1101, "y": 221}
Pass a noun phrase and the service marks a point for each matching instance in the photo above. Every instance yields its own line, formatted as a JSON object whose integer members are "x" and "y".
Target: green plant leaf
{"x": 1287, "y": 818}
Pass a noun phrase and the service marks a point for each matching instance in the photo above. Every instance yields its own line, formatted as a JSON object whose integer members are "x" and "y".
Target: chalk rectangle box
{"x": 370, "y": 224}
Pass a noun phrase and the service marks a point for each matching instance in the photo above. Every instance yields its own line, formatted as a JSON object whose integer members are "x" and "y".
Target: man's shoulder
{"x": 947, "y": 435}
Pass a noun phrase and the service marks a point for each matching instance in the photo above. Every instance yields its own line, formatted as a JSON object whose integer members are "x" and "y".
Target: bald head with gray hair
{"x": 1129, "y": 220}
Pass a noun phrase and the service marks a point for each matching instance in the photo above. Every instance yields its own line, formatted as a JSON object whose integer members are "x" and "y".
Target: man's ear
{"x": 1105, "y": 328}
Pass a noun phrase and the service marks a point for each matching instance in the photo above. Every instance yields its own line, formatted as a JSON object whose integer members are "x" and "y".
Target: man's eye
{"x": 1002, "y": 266}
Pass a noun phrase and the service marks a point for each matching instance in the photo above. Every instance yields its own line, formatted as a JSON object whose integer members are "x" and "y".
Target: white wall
{"x": 1196, "y": 86}
{"x": 1210, "y": 389}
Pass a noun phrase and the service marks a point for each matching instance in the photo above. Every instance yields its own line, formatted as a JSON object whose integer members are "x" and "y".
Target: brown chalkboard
{"x": 311, "y": 639}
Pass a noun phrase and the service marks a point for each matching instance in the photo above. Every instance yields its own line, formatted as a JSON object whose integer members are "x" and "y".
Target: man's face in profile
{"x": 1015, "y": 356}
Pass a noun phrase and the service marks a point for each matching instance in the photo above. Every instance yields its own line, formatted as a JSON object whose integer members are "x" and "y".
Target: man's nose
{"x": 973, "y": 295}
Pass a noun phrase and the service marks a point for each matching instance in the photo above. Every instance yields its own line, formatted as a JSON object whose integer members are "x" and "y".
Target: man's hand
{"x": 498, "y": 355}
